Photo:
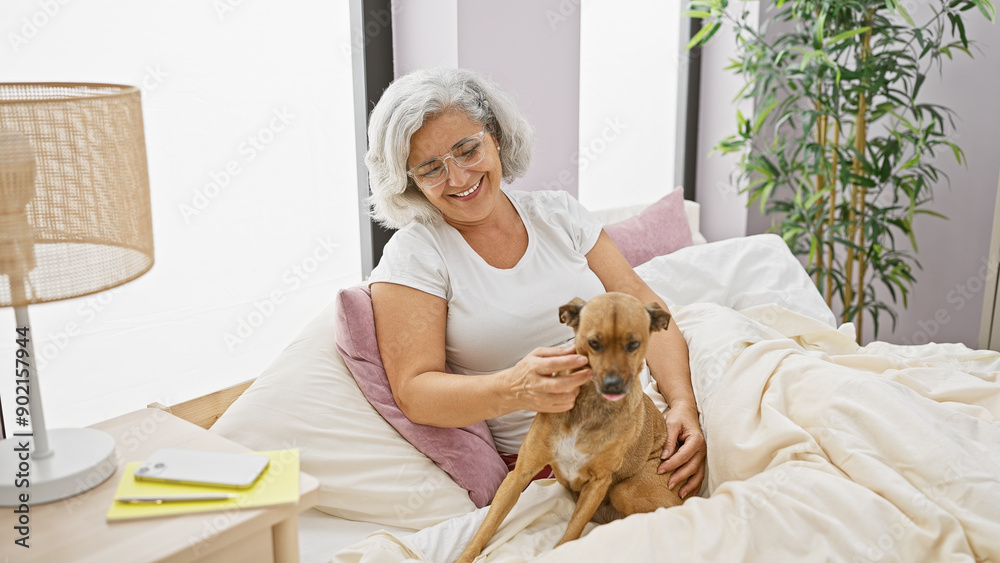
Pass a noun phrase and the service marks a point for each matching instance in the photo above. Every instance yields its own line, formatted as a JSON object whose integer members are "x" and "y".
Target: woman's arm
{"x": 410, "y": 328}
{"x": 667, "y": 357}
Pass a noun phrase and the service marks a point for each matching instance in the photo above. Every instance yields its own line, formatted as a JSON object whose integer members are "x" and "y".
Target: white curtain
{"x": 248, "y": 111}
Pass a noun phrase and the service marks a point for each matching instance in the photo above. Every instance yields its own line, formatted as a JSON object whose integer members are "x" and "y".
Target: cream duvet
{"x": 819, "y": 450}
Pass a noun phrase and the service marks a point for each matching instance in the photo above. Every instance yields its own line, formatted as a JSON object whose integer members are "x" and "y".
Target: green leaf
{"x": 696, "y": 14}
{"x": 931, "y": 213}
{"x": 913, "y": 161}
{"x": 808, "y": 57}
{"x": 761, "y": 116}
{"x": 847, "y": 35}
{"x": 961, "y": 31}
{"x": 957, "y": 151}
{"x": 918, "y": 83}
{"x": 789, "y": 233}
{"x": 897, "y": 7}
{"x": 988, "y": 10}
{"x": 712, "y": 32}
{"x": 765, "y": 193}
{"x": 820, "y": 23}
{"x": 702, "y": 34}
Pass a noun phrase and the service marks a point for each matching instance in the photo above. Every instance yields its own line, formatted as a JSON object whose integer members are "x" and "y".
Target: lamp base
{"x": 81, "y": 459}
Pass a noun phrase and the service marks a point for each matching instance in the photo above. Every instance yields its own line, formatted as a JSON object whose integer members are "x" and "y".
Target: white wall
{"x": 263, "y": 89}
{"x": 532, "y": 49}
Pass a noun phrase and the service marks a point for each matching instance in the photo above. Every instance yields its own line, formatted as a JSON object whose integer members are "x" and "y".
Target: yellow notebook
{"x": 279, "y": 484}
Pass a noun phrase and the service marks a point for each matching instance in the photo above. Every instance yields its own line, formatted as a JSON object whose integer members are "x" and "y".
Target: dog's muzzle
{"x": 612, "y": 387}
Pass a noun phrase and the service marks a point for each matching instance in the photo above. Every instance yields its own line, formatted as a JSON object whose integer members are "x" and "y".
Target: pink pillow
{"x": 467, "y": 454}
{"x": 660, "y": 229}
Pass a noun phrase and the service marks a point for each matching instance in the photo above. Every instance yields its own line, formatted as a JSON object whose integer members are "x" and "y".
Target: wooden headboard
{"x": 205, "y": 410}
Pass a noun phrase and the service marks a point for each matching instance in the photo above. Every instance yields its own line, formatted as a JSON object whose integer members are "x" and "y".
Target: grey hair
{"x": 404, "y": 107}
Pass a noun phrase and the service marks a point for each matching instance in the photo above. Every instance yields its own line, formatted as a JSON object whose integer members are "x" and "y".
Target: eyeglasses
{"x": 470, "y": 151}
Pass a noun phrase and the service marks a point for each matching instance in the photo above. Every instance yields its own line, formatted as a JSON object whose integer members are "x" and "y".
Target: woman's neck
{"x": 501, "y": 239}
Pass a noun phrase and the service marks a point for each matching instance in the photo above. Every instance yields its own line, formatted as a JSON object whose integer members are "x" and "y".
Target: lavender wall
{"x": 947, "y": 302}
{"x": 531, "y": 48}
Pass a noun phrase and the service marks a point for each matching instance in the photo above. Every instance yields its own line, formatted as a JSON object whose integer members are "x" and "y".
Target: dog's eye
{"x": 594, "y": 345}
{"x": 632, "y": 346}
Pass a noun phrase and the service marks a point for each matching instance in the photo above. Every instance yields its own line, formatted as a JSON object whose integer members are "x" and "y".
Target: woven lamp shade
{"x": 74, "y": 191}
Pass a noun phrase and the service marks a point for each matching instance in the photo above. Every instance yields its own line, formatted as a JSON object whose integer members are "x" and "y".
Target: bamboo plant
{"x": 840, "y": 148}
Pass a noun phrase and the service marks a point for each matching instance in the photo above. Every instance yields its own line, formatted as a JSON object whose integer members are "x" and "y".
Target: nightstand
{"x": 75, "y": 529}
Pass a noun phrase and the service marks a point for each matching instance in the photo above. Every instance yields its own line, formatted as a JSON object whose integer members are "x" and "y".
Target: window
{"x": 630, "y": 61}
{"x": 249, "y": 121}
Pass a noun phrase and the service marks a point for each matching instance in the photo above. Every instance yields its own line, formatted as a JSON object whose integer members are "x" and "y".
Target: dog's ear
{"x": 658, "y": 318}
{"x": 569, "y": 314}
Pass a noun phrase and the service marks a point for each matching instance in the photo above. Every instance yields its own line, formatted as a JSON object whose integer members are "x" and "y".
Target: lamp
{"x": 74, "y": 220}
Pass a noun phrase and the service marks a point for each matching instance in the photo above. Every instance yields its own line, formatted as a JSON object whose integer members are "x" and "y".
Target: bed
{"x": 819, "y": 450}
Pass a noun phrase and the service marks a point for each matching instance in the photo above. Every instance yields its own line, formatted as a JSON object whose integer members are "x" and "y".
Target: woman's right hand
{"x": 533, "y": 386}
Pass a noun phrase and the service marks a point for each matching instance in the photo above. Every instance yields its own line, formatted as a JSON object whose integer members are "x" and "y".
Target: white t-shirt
{"x": 497, "y": 316}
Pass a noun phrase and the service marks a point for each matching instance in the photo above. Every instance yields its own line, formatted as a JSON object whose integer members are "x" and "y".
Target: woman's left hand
{"x": 685, "y": 450}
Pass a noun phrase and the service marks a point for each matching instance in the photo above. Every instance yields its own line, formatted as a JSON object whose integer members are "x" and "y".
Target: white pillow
{"x": 307, "y": 399}
{"x": 737, "y": 273}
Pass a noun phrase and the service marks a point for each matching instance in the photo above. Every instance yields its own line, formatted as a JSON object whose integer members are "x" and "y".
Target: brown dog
{"x": 607, "y": 447}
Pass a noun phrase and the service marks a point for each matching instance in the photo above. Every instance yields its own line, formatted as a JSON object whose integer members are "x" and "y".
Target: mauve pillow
{"x": 467, "y": 454}
{"x": 659, "y": 229}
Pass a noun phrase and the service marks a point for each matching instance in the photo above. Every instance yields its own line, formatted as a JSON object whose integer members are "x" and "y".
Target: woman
{"x": 472, "y": 281}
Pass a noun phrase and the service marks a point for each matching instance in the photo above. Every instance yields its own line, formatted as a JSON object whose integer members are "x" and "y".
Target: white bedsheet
{"x": 818, "y": 451}
{"x": 321, "y": 534}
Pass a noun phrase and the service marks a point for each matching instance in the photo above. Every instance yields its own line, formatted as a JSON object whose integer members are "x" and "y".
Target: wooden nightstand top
{"x": 75, "y": 529}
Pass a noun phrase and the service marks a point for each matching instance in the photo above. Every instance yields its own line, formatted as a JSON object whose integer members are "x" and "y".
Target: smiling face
{"x": 468, "y": 196}
{"x": 613, "y": 330}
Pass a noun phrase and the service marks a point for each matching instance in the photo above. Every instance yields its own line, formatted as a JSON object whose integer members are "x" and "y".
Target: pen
{"x": 160, "y": 499}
